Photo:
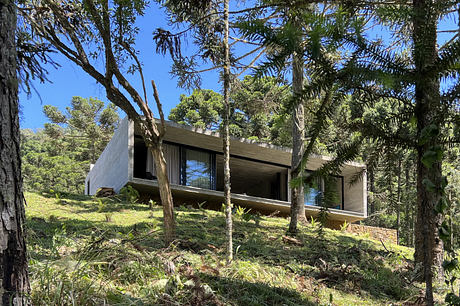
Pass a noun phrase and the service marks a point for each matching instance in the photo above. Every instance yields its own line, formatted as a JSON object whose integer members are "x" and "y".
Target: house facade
{"x": 260, "y": 173}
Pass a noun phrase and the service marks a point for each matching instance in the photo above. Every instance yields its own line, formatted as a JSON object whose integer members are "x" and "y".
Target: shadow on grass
{"x": 110, "y": 204}
{"x": 46, "y": 234}
{"x": 340, "y": 261}
{"x": 240, "y": 292}
{"x": 346, "y": 263}
{"x": 65, "y": 195}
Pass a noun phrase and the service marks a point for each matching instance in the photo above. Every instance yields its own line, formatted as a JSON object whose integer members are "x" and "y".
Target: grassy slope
{"x": 78, "y": 257}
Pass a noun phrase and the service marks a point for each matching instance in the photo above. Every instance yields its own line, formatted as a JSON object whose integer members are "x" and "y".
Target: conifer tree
{"x": 14, "y": 283}
{"x": 211, "y": 32}
{"x": 372, "y": 72}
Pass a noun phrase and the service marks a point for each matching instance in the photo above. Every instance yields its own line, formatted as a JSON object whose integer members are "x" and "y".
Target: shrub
{"x": 130, "y": 194}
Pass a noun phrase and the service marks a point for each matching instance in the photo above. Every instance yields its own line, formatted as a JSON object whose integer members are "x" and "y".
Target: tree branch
{"x": 160, "y": 110}
{"x": 141, "y": 73}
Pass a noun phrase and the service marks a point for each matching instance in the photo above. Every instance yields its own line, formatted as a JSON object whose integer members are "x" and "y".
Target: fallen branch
{"x": 292, "y": 240}
{"x": 273, "y": 214}
{"x": 393, "y": 252}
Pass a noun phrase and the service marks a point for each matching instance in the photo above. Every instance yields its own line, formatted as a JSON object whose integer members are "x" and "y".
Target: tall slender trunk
{"x": 372, "y": 190}
{"x": 226, "y": 140}
{"x": 298, "y": 138}
{"x": 391, "y": 201}
{"x": 451, "y": 221}
{"x": 414, "y": 222}
{"x": 165, "y": 192}
{"x": 14, "y": 281}
{"x": 398, "y": 204}
{"x": 428, "y": 245}
{"x": 407, "y": 206}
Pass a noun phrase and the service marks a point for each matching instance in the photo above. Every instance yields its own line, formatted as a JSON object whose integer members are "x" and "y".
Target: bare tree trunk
{"x": 14, "y": 281}
{"x": 298, "y": 137}
{"x": 414, "y": 222}
{"x": 407, "y": 207}
{"x": 372, "y": 190}
{"x": 451, "y": 221}
{"x": 226, "y": 140}
{"x": 165, "y": 193}
{"x": 391, "y": 201}
{"x": 398, "y": 204}
{"x": 428, "y": 112}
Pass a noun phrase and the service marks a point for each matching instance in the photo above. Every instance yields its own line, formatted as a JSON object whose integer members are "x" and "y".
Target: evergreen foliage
{"x": 372, "y": 71}
{"x": 366, "y": 100}
{"x": 259, "y": 110}
{"x": 58, "y": 157}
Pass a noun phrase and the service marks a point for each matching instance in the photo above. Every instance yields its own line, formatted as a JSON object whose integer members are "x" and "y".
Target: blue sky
{"x": 69, "y": 80}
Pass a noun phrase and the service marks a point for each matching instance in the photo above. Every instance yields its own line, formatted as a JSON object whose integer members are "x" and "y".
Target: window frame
{"x": 342, "y": 185}
{"x": 183, "y": 165}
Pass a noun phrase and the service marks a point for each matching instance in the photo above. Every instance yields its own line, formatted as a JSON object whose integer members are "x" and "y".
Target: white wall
{"x": 356, "y": 194}
{"x": 113, "y": 168}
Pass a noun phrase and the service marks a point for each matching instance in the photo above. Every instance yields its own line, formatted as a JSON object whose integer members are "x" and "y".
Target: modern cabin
{"x": 260, "y": 173}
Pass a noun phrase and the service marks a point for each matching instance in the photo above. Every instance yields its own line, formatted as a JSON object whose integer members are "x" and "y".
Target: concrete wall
{"x": 114, "y": 167}
{"x": 355, "y": 195}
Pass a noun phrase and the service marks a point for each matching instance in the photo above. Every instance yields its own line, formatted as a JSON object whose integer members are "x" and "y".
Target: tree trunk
{"x": 298, "y": 137}
{"x": 165, "y": 193}
{"x": 398, "y": 204}
{"x": 391, "y": 201}
{"x": 451, "y": 222}
{"x": 428, "y": 245}
{"x": 226, "y": 140}
{"x": 372, "y": 190}
{"x": 13, "y": 266}
{"x": 408, "y": 206}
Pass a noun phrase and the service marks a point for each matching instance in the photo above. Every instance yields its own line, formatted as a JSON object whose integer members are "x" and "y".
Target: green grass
{"x": 84, "y": 252}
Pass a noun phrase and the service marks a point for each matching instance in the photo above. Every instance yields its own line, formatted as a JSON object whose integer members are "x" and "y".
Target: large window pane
{"x": 332, "y": 195}
{"x": 313, "y": 193}
{"x": 198, "y": 169}
{"x": 325, "y": 191}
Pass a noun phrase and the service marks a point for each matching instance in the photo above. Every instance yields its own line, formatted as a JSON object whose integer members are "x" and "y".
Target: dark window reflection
{"x": 198, "y": 169}
{"x": 325, "y": 191}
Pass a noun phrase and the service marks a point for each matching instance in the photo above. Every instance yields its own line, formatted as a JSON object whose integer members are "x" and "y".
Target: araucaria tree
{"x": 372, "y": 71}
{"x": 86, "y": 119}
{"x": 210, "y": 29}
{"x": 92, "y": 32}
{"x": 290, "y": 32}
{"x": 226, "y": 136}
{"x": 14, "y": 281}
{"x": 424, "y": 115}
{"x": 59, "y": 156}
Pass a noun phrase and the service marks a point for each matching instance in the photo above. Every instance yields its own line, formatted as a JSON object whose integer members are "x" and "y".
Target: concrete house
{"x": 260, "y": 173}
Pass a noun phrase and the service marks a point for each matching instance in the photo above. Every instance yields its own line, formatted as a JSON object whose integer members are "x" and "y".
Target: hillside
{"x": 87, "y": 251}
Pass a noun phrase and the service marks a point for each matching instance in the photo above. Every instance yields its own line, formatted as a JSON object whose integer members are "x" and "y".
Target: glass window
{"x": 198, "y": 169}
{"x": 332, "y": 192}
{"x": 312, "y": 193}
{"x": 325, "y": 191}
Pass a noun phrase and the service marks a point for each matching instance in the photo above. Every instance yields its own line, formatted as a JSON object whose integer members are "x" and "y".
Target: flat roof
{"x": 246, "y": 148}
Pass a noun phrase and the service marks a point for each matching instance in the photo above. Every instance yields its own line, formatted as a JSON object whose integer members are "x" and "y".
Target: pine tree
{"x": 211, "y": 33}
{"x": 372, "y": 72}
{"x": 14, "y": 284}
{"x": 226, "y": 137}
